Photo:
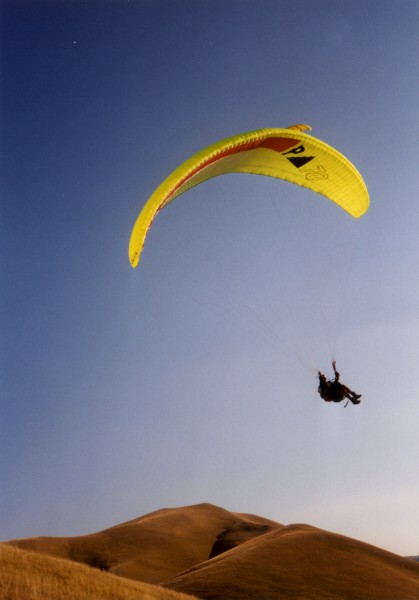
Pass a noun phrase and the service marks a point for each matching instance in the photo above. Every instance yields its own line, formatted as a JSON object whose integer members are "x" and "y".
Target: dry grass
{"x": 207, "y": 552}
{"x": 300, "y": 562}
{"x": 151, "y": 548}
{"x": 26, "y": 575}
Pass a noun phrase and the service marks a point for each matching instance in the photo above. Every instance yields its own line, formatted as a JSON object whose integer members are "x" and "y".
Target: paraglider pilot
{"x": 334, "y": 391}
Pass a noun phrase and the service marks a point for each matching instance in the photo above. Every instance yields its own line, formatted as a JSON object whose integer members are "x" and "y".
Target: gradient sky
{"x": 193, "y": 378}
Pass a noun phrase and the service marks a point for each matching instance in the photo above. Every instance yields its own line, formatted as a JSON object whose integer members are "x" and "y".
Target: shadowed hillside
{"x": 216, "y": 554}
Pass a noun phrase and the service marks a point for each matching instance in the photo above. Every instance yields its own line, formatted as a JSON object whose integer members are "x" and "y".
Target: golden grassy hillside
{"x": 304, "y": 563}
{"x": 154, "y": 547}
{"x": 215, "y": 554}
{"x": 28, "y": 575}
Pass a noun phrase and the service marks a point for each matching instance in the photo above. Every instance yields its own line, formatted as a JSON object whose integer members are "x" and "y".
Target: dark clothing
{"x": 331, "y": 391}
{"x": 334, "y": 391}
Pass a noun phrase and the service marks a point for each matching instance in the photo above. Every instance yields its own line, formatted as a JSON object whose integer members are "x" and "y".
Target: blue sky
{"x": 192, "y": 378}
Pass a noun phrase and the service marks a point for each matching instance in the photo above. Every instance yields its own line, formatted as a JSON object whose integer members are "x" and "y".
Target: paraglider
{"x": 335, "y": 391}
{"x": 288, "y": 154}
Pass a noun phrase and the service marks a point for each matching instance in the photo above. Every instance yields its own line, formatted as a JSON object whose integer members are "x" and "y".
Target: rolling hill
{"x": 213, "y": 553}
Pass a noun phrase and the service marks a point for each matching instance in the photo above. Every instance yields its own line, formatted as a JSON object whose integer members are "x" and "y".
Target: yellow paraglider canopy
{"x": 288, "y": 154}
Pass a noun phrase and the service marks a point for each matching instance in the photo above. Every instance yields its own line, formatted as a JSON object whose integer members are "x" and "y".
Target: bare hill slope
{"x": 304, "y": 563}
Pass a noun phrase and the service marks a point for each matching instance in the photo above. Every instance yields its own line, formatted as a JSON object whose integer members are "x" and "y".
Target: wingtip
{"x": 300, "y": 127}
{"x": 134, "y": 260}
